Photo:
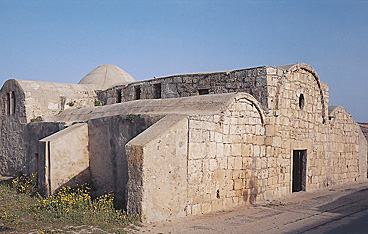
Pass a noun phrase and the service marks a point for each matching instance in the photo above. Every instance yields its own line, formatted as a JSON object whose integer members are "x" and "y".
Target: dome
{"x": 107, "y": 76}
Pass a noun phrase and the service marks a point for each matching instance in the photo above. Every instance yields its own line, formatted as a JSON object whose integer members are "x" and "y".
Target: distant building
{"x": 184, "y": 144}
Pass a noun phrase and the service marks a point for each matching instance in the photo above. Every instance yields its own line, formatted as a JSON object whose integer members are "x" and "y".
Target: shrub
{"x": 26, "y": 184}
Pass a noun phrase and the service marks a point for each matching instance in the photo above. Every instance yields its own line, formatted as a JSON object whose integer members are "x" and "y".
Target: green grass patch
{"x": 22, "y": 209}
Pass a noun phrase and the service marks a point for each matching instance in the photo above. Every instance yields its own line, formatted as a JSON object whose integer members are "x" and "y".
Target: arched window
{"x": 10, "y": 103}
{"x": 301, "y": 101}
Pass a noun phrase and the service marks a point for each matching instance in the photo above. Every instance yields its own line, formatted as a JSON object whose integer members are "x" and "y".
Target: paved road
{"x": 339, "y": 209}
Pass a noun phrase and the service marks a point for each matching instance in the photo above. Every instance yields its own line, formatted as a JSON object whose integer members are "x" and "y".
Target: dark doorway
{"x": 118, "y": 96}
{"x": 299, "y": 170}
{"x": 157, "y": 91}
{"x": 137, "y": 93}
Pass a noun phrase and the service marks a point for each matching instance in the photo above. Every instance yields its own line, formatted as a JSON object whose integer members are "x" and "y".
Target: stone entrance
{"x": 299, "y": 170}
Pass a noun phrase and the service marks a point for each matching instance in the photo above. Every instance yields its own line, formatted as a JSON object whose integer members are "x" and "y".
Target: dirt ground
{"x": 337, "y": 209}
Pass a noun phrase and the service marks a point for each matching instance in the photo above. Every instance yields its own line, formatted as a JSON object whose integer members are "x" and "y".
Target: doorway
{"x": 299, "y": 170}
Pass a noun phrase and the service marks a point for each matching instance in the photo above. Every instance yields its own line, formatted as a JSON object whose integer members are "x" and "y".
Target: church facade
{"x": 185, "y": 144}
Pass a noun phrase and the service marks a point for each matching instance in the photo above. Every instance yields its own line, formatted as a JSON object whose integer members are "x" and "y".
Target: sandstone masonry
{"x": 184, "y": 144}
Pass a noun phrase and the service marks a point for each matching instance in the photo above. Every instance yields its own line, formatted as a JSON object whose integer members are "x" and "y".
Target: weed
{"x": 130, "y": 117}
{"x": 273, "y": 204}
{"x": 9, "y": 218}
{"x": 37, "y": 119}
{"x": 26, "y": 184}
{"x": 69, "y": 207}
{"x": 97, "y": 102}
{"x": 71, "y": 103}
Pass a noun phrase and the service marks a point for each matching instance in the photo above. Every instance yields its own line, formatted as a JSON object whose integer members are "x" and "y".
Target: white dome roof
{"x": 107, "y": 76}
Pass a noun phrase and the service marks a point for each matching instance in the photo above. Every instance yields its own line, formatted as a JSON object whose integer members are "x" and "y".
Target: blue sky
{"x": 62, "y": 41}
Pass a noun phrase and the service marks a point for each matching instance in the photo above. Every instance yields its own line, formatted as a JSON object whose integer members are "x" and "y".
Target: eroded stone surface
{"x": 186, "y": 144}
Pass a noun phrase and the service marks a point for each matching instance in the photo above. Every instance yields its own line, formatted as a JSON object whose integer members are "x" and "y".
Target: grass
{"x": 22, "y": 210}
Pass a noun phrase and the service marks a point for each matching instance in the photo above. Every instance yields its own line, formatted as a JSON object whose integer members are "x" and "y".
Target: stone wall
{"x": 66, "y": 158}
{"x": 108, "y": 161}
{"x": 157, "y": 167}
{"x": 364, "y": 128}
{"x": 226, "y": 158}
{"x": 252, "y": 81}
{"x": 20, "y": 149}
{"x": 32, "y": 99}
{"x": 347, "y": 147}
{"x": 35, "y": 155}
{"x": 13, "y": 147}
{"x": 257, "y": 164}
{"x": 332, "y": 147}
{"x": 296, "y": 122}
{"x": 12, "y": 102}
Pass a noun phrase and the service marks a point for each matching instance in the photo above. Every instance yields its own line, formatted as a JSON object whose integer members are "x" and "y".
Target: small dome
{"x": 107, "y": 76}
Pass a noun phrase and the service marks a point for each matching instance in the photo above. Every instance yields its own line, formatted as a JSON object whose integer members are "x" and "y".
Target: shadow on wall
{"x": 108, "y": 159}
{"x": 250, "y": 194}
{"x": 84, "y": 177}
{"x": 81, "y": 178}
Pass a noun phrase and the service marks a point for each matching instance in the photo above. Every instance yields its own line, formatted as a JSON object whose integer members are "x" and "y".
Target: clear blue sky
{"x": 62, "y": 41}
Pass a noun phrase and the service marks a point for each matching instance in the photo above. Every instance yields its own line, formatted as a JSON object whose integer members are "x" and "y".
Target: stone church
{"x": 184, "y": 144}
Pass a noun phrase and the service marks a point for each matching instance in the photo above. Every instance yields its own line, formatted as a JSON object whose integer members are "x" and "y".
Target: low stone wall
{"x": 107, "y": 157}
{"x": 66, "y": 158}
{"x": 157, "y": 167}
{"x": 252, "y": 81}
{"x": 35, "y": 155}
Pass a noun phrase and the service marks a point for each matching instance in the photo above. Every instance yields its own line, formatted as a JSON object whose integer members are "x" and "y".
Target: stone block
{"x": 235, "y": 138}
{"x": 227, "y": 150}
{"x": 259, "y": 140}
{"x": 238, "y": 184}
{"x": 238, "y": 164}
{"x": 194, "y": 166}
{"x": 195, "y": 178}
{"x": 270, "y": 130}
{"x": 245, "y": 150}
{"x": 196, "y": 199}
{"x": 277, "y": 141}
{"x": 199, "y": 135}
{"x": 197, "y": 150}
{"x": 247, "y": 162}
{"x": 213, "y": 164}
{"x": 231, "y": 163}
{"x": 218, "y": 137}
{"x": 206, "y": 208}
{"x": 236, "y": 149}
{"x": 222, "y": 163}
{"x": 196, "y": 209}
{"x": 219, "y": 150}
{"x": 228, "y": 202}
{"x": 217, "y": 204}
{"x": 211, "y": 148}
{"x": 256, "y": 150}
